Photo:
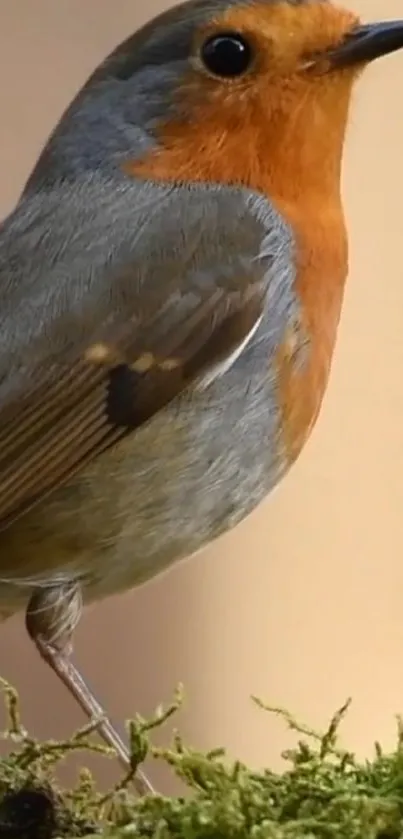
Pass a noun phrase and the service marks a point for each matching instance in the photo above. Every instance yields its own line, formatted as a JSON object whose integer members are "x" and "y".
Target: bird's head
{"x": 255, "y": 92}
{"x": 244, "y": 90}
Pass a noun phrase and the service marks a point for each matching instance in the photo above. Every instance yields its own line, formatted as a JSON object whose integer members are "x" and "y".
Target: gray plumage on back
{"x": 114, "y": 248}
{"x": 126, "y": 265}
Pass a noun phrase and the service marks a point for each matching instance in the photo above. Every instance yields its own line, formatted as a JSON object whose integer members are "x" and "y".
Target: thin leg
{"x": 52, "y": 615}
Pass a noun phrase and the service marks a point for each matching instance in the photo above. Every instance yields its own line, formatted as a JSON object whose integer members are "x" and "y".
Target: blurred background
{"x": 302, "y": 604}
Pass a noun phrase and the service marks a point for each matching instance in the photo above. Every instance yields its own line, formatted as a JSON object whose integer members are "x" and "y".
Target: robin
{"x": 171, "y": 286}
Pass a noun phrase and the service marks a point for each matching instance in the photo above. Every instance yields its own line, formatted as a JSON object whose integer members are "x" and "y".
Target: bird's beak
{"x": 366, "y": 43}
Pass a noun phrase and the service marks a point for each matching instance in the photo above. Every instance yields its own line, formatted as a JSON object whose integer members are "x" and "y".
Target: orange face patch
{"x": 276, "y": 129}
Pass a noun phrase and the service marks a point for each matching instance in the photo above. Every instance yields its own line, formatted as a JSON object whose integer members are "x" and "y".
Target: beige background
{"x": 302, "y": 604}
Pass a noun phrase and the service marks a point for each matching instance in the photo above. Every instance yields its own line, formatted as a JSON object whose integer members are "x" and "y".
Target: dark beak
{"x": 365, "y": 43}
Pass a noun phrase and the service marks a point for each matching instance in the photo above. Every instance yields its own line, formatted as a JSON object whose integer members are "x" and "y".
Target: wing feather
{"x": 121, "y": 336}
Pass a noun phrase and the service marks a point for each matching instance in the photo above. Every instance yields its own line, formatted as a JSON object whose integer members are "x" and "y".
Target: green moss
{"x": 323, "y": 792}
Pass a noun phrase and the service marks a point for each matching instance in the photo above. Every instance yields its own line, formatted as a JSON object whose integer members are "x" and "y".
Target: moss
{"x": 323, "y": 792}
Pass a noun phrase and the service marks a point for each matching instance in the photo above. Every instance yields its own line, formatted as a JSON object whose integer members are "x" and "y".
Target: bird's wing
{"x": 111, "y": 305}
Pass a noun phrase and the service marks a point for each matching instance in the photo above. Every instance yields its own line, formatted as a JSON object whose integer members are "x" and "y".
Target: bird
{"x": 171, "y": 284}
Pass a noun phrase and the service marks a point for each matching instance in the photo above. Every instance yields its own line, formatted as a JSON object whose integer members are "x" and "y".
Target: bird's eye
{"x": 226, "y": 55}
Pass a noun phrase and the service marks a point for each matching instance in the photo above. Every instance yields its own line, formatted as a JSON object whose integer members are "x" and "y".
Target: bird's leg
{"x": 52, "y": 615}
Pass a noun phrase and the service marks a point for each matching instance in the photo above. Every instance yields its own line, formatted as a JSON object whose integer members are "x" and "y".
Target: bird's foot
{"x": 51, "y": 617}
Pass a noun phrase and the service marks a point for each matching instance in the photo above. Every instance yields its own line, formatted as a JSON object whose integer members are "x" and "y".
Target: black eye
{"x": 227, "y": 55}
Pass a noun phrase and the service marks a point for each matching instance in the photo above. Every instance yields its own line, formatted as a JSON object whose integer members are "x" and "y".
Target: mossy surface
{"x": 323, "y": 792}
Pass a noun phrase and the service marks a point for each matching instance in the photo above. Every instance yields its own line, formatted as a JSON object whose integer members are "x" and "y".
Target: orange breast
{"x": 322, "y": 264}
